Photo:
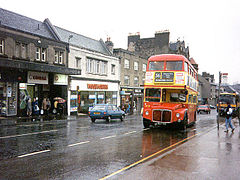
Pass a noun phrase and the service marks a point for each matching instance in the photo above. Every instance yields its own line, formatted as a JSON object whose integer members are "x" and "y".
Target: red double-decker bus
{"x": 170, "y": 91}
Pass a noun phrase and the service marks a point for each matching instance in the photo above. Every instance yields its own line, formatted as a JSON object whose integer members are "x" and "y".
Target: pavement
{"x": 213, "y": 154}
{"x": 14, "y": 120}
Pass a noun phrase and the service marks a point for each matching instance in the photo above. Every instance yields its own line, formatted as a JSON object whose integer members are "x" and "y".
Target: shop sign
{"x": 100, "y": 96}
{"x": 22, "y": 85}
{"x": 37, "y": 77}
{"x": 97, "y": 86}
{"x": 60, "y": 79}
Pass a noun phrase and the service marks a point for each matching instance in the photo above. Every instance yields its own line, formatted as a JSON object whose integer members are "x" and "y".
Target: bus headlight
{"x": 147, "y": 113}
{"x": 177, "y": 115}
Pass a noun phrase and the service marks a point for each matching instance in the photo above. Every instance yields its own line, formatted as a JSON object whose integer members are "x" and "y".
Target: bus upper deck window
{"x": 174, "y": 65}
{"x": 156, "y": 65}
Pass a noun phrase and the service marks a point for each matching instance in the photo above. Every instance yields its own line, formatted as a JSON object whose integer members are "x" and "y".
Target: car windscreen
{"x": 99, "y": 107}
{"x": 227, "y": 98}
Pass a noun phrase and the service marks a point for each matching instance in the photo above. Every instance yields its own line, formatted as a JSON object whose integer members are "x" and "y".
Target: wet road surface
{"x": 79, "y": 149}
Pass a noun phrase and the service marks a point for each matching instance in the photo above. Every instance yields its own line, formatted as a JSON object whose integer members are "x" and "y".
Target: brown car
{"x": 204, "y": 108}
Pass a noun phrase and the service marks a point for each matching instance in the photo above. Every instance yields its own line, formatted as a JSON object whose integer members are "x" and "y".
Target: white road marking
{"x": 108, "y": 137}
{"x": 30, "y": 154}
{"x": 130, "y": 132}
{"x": 70, "y": 145}
{"x": 146, "y": 129}
{"x": 19, "y": 135}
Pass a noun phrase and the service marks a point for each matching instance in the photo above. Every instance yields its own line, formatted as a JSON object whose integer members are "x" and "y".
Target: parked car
{"x": 204, "y": 108}
{"x": 106, "y": 111}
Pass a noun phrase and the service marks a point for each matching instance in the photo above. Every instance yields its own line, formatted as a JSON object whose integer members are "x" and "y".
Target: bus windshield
{"x": 227, "y": 98}
{"x": 152, "y": 95}
{"x": 156, "y": 65}
{"x": 174, "y": 65}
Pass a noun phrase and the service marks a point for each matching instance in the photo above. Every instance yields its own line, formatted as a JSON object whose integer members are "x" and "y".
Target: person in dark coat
{"x": 228, "y": 117}
{"x": 35, "y": 107}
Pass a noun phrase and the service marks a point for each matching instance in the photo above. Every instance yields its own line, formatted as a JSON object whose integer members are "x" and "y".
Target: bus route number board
{"x": 164, "y": 76}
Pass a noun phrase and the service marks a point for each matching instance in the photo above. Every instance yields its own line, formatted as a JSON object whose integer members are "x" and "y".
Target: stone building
{"x": 132, "y": 76}
{"x": 99, "y": 81}
{"x": 159, "y": 44}
{"x": 147, "y": 47}
{"x": 33, "y": 62}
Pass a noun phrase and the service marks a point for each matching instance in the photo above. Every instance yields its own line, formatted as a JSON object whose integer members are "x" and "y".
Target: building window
{"x": 113, "y": 69}
{"x": 144, "y": 67}
{"x": 126, "y": 80}
{"x": 136, "y": 81}
{"x": 41, "y": 54}
{"x": 24, "y": 51}
{"x": 97, "y": 67}
{"x": 1, "y": 46}
{"x": 17, "y": 49}
{"x": 126, "y": 64}
{"x": 136, "y": 66}
{"x": 21, "y": 50}
{"x": 58, "y": 57}
{"x": 78, "y": 63}
{"x": 104, "y": 67}
{"x": 38, "y": 53}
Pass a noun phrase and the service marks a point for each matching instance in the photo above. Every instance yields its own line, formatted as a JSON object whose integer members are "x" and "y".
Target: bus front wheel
{"x": 146, "y": 123}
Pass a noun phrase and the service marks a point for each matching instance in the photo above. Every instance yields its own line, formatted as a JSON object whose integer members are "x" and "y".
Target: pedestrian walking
{"x": 29, "y": 106}
{"x": 228, "y": 118}
{"x": 44, "y": 106}
{"x": 35, "y": 107}
{"x": 48, "y": 106}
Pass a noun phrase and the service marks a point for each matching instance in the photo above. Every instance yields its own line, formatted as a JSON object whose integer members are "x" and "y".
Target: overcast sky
{"x": 211, "y": 28}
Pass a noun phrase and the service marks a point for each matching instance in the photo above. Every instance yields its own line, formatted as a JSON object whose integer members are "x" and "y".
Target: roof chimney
{"x": 109, "y": 44}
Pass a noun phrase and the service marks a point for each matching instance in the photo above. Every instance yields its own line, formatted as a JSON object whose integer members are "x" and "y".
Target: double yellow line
{"x": 148, "y": 157}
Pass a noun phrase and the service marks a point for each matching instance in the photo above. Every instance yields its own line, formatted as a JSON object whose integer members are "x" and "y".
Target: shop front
{"x": 131, "y": 99}
{"x": 9, "y": 91}
{"x": 85, "y": 94}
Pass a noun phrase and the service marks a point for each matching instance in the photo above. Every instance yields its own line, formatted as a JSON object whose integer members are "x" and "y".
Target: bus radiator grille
{"x": 162, "y": 115}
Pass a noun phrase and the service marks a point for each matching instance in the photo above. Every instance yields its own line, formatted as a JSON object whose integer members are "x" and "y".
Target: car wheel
{"x": 122, "y": 117}
{"x": 93, "y": 120}
{"x": 108, "y": 118}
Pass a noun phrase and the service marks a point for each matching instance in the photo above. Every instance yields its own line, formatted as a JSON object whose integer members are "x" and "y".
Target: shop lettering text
{"x": 97, "y": 86}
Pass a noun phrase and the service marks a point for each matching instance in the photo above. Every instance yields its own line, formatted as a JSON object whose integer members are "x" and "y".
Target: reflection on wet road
{"x": 79, "y": 149}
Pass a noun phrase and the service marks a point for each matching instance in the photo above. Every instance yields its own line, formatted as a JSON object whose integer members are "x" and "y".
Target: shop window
{"x": 1, "y": 46}
{"x": 113, "y": 69}
{"x": 126, "y": 80}
{"x": 136, "y": 66}
{"x": 126, "y": 64}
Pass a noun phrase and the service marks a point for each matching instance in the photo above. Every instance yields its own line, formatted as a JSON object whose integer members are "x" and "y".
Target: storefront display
{"x": 91, "y": 93}
{"x": 8, "y": 98}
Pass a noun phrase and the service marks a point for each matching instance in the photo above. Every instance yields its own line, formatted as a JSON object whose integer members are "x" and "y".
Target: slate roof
{"x": 82, "y": 41}
{"x": 23, "y": 23}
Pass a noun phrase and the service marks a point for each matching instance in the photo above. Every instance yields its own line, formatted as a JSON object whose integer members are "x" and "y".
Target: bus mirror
{"x": 186, "y": 92}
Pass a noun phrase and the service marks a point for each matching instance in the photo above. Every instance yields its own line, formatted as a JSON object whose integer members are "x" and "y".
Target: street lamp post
{"x": 218, "y": 107}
